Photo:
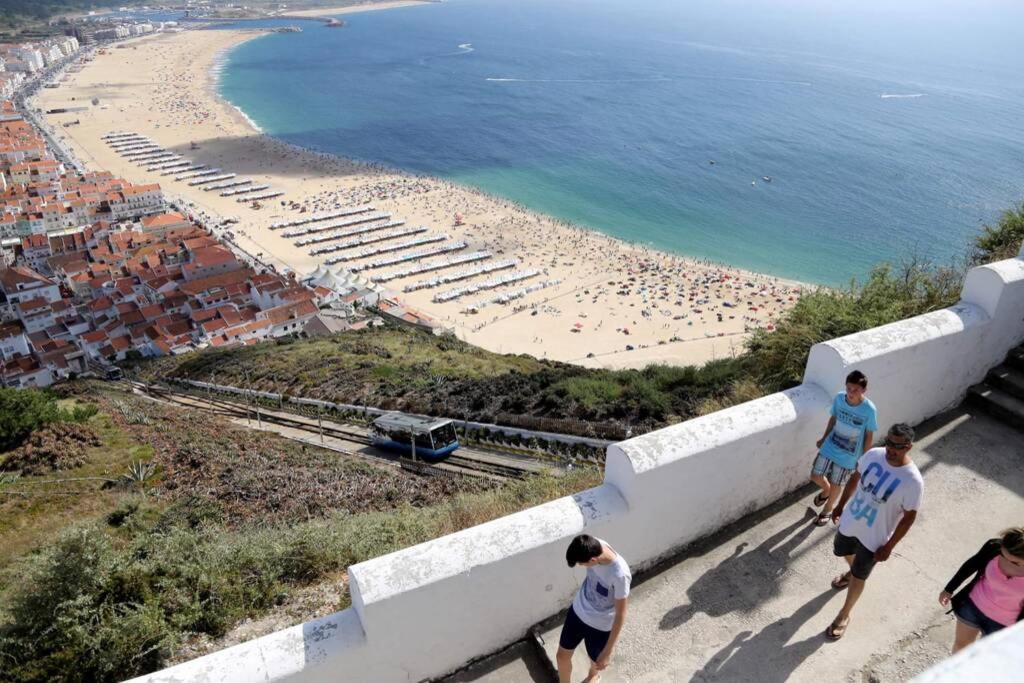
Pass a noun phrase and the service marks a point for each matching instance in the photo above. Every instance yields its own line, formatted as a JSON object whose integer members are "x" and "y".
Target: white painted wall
{"x": 426, "y": 610}
{"x": 691, "y": 479}
{"x": 998, "y": 658}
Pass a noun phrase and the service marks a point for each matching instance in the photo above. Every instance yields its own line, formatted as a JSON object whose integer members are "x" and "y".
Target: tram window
{"x": 400, "y": 435}
{"x": 444, "y": 435}
{"x": 423, "y": 441}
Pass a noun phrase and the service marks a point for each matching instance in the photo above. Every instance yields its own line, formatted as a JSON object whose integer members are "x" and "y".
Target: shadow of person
{"x": 743, "y": 581}
{"x": 764, "y": 656}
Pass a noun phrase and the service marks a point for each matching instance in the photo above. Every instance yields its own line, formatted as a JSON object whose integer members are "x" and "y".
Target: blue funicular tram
{"x": 434, "y": 438}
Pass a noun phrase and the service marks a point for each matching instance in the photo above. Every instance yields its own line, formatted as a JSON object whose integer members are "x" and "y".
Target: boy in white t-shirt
{"x": 599, "y": 608}
{"x": 886, "y": 490}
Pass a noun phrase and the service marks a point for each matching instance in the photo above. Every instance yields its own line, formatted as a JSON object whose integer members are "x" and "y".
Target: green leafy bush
{"x": 22, "y": 411}
{"x": 1003, "y": 240}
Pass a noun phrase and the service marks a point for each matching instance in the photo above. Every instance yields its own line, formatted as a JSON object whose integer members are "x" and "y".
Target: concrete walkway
{"x": 752, "y": 603}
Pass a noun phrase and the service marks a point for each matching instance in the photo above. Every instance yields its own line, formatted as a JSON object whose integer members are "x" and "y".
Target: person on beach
{"x": 886, "y": 492}
{"x": 994, "y": 597}
{"x": 850, "y": 430}
{"x": 599, "y": 609}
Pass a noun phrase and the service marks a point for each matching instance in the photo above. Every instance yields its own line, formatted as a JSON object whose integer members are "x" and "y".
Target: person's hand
{"x": 603, "y": 660}
{"x": 836, "y": 514}
{"x": 882, "y": 554}
{"x": 944, "y": 598}
{"x": 821, "y": 441}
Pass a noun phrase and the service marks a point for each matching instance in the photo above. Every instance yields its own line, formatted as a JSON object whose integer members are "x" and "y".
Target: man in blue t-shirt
{"x": 850, "y": 431}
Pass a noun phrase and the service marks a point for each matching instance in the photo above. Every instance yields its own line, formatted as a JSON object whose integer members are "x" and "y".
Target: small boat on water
{"x": 766, "y": 178}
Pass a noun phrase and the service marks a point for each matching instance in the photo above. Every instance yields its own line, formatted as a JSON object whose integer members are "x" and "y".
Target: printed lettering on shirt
{"x": 875, "y": 488}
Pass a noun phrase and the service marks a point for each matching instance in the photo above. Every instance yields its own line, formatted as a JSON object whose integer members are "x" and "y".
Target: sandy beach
{"x": 610, "y": 295}
{"x": 348, "y": 9}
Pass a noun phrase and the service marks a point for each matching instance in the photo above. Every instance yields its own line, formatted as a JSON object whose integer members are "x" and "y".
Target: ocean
{"x": 886, "y": 133}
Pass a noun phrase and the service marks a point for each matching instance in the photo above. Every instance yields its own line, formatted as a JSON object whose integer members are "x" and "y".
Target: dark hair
{"x": 859, "y": 378}
{"x": 1012, "y": 540}
{"x": 902, "y": 429}
{"x": 583, "y": 548}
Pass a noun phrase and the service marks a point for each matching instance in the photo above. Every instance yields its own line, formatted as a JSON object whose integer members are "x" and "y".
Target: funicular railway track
{"x": 467, "y": 461}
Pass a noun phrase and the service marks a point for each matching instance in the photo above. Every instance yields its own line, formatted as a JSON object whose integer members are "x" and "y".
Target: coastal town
{"x": 98, "y": 269}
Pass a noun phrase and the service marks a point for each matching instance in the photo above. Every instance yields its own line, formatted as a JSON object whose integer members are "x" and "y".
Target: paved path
{"x": 753, "y": 603}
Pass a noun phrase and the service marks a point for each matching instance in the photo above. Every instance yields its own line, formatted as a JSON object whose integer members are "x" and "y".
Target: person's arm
{"x": 851, "y": 486}
{"x": 973, "y": 565}
{"x": 828, "y": 429}
{"x": 869, "y": 438}
{"x": 620, "y": 618}
{"x": 907, "y": 521}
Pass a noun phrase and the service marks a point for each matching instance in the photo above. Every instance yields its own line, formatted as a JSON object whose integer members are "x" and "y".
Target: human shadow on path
{"x": 744, "y": 581}
{"x": 764, "y": 656}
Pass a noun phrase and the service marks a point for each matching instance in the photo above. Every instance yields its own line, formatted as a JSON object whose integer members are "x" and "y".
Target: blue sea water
{"x": 887, "y": 131}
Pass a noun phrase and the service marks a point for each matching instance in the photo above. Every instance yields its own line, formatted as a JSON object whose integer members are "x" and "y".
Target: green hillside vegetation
{"x": 402, "y": 369}
{"x": 32, "y": 16}
{"x": 163, "y": 526}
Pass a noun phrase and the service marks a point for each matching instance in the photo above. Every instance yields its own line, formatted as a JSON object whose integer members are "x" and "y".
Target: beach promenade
{"x": 580, "y": 296}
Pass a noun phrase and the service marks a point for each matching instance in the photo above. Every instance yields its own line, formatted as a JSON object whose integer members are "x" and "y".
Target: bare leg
{"x": 564, "y": 660}
{"x": 823, "y": 484}
{"x": 965, "y": 635}
{"x": 853, "y": 592}
{"x": 830, "y": 504}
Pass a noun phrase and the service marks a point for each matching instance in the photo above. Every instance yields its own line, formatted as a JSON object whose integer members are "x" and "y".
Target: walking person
{"x": 599, "y": 609}
{"x": 886, "y": 492}
{"x": 994, "y": 597}
{"x": 850, "y": 430}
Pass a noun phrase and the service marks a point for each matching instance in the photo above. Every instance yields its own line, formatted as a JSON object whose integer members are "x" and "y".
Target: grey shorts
{"x": 836, "y": 474}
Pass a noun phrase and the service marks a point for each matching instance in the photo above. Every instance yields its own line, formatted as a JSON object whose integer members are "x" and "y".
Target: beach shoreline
{"x": 353, "y": 9}
{"x": 612, "y": 294}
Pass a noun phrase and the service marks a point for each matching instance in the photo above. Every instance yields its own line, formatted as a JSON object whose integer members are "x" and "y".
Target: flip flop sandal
{"x": 823, "y": 518}
{"x": 820, "y": 500}
{"x": 834, "y": 632}
{"x": 841, "y": 581}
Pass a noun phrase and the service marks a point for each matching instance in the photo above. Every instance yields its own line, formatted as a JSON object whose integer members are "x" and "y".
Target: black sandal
{"x": 842, "y": 581}
{"x": 820, "y": 499}
{"x": 835, "y": 631}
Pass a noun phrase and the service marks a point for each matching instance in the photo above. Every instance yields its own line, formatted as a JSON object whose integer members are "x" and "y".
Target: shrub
{"x": 54, "y": 447}
{"x": 23, "y": 411}
{"x": 776, "y": 359}
{"x": 1001, "y": 241}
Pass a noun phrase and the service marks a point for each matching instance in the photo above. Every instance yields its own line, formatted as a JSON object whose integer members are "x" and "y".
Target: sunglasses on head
{"x": 899, "y": 446}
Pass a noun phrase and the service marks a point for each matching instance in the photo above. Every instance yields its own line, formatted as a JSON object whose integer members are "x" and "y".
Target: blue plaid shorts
{"x": 836, "y": 474}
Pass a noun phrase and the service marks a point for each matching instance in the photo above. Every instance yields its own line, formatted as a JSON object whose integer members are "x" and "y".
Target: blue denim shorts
{"x": 969, "y": 614}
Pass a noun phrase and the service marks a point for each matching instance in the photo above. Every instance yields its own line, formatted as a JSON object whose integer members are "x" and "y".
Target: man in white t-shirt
{"x": 599, "y": 608}
{"x": 886, "y": 490}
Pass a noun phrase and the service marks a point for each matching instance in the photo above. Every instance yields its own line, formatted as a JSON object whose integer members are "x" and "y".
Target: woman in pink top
{"x": 994, "y": 597}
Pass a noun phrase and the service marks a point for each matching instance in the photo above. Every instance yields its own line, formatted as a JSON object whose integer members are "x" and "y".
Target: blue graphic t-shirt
{"x": 845, "y": 442}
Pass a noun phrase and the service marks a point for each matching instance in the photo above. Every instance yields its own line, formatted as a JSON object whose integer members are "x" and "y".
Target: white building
{"x": 30, "y": 55}
{"x": 51, "y": 54}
